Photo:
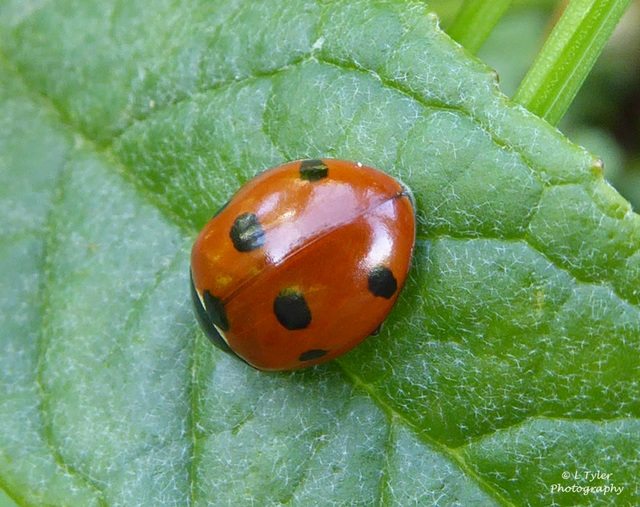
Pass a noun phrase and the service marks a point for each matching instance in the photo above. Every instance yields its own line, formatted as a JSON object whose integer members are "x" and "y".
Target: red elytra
{"x": 303, "y": 263}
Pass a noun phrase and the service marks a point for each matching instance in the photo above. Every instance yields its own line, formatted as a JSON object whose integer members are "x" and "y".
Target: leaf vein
{"x": 453, "y": 455}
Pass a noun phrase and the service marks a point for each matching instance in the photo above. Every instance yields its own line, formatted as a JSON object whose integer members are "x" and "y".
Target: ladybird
{"x": 303, "y": 263}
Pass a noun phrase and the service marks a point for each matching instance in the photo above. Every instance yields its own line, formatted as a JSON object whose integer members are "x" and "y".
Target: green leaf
{"x": 475, "y": 21}
{"x": 568, "y": 55}
{"x": 512, "y": 356}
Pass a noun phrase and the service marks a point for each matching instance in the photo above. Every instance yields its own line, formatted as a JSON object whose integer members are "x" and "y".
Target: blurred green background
{"x": 605, "y": 116}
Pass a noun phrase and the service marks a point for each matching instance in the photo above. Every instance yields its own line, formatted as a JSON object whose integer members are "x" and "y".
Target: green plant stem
{"x": 475, "y": 21}
{"x": 567, "y": 56}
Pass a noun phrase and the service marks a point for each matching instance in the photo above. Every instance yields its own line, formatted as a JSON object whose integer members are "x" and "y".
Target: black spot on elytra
{"x": 313, "y": 170}
{"x": 382, "y": 283}
{"x": 246, "y": 233}
{"x": 312, "y": 354}
{"x": 291, "y": 309}
{"x": 205, "y": 321}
